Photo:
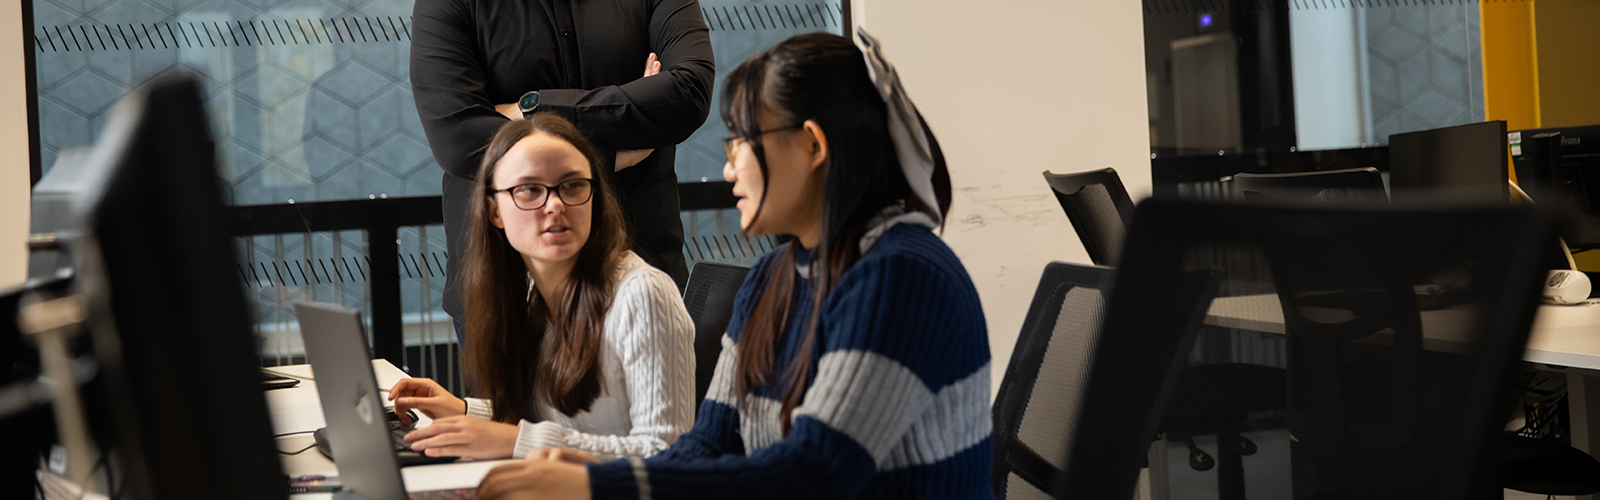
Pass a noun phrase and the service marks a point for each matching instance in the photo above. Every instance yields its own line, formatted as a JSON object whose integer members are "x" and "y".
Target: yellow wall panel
{"x": 1510, "y": 63}
{"x": 1568, "y": 41}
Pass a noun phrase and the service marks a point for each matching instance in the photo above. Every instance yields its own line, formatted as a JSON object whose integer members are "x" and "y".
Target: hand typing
{"x": 464, "y": 436}
{"x": 426, "y": 396}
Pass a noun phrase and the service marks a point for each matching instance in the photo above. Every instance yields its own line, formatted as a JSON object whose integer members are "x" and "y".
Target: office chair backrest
{"x": 1052, "y": 356}
{"x": 709, "y": 298}
{"x": 1402, "y": 325}
{"x": 1098, "y": 206}
{"x": 1351, "y": 185}
{"x": 1039, "y": 410}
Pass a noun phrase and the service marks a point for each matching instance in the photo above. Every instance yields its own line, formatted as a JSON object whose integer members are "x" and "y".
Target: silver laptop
{"x": 357, "y": 431}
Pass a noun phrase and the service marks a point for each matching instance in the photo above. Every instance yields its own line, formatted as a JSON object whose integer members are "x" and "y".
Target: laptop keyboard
{"x": 397, "y": 435}
{"x": 402, "y": 450}
{"x": 461, "y": 494}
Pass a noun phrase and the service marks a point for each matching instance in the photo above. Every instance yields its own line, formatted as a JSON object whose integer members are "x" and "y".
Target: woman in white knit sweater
{"x": 573, "y": 340}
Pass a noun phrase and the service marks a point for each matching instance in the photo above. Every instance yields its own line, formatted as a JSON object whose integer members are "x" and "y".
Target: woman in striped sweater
{"x": 857, "y": 362}
{"x": 574, "y": 341}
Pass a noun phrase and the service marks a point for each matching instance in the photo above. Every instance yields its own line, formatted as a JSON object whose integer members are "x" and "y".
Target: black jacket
{"x": 585, "y": 57}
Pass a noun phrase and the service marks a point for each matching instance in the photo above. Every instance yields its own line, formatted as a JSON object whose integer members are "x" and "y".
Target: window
{"x": 311, "y": 101}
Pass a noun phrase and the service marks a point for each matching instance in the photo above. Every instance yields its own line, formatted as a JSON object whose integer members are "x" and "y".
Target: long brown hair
{"x": 823, "y": 78}
{"x": 505, "y": 329}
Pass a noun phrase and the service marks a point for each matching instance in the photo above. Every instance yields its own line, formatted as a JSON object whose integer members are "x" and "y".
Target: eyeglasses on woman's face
{"x": 729, "y": 142}
{"x": 534, "y": 196}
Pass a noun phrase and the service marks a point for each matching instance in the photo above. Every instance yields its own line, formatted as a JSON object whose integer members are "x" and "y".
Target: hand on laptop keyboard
{"x": 464, "y": 436}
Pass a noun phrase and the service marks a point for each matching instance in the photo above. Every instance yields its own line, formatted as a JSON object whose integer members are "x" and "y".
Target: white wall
{"x": 1013, "y": 89}
{"x": 1331, "y": 109}
{"x": 14, "y": 180}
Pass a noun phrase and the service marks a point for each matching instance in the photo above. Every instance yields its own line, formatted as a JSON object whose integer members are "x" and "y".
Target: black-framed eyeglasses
{"x": 727, "y": 142}
{"x": 533, "y": 196}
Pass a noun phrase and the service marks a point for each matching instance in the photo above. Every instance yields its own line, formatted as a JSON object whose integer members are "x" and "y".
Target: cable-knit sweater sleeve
{"x": 903, "y": 344}
{"x": 716, "y": 427}
{"x": 480, "y": 408}
{"x": 653, "y": 336}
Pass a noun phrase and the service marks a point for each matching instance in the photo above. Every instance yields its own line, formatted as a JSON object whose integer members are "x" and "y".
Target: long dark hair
{"x": 505, "y": 330}
{"x": 823, "y": 78}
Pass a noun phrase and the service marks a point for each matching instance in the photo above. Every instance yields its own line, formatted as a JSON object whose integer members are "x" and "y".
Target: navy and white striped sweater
{"x": 897, "y": 405}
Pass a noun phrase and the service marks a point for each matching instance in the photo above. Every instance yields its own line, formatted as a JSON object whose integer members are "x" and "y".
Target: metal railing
{"x": 711, "y": 226}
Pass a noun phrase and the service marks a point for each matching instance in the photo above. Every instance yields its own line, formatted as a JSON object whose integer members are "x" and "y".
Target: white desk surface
{"x": 1562, "y": 335}
{"x": 298, "y": 409}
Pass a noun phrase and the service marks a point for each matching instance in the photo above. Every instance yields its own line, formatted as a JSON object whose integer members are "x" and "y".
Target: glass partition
{"x": 311, "y": 101}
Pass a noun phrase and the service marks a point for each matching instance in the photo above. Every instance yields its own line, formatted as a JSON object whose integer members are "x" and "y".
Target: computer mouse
{"x": 394, "y": 419}
{"x": 1566, "y": 287}
{"x": 323, "y": 447}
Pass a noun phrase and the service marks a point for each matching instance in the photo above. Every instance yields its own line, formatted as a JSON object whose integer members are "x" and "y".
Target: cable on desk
{"x": 287, "y": 434}
{"x": 301, "y": 451}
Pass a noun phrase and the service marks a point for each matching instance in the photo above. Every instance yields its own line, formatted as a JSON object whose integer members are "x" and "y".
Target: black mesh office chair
{"x": 1098, "y": 206}
{"x": 709, "y": 298}
{"x": 1403, "y": 326}
{"x": 1217, "y": 397}
{"x": 1351, "y": 185}
{"x": 1065, "y": 367}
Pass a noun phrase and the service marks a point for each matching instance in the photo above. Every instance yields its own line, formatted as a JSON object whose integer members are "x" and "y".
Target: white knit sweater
{"x": 647, "y": 364}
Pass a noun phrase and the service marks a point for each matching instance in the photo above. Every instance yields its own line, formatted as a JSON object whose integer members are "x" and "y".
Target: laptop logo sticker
{"x": 364, "y": 409}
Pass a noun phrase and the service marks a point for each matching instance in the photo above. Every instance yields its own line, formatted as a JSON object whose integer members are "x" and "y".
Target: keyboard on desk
{"x": 402, "y": 449}
{"x": 461, "y": 494}
{"x": 397, "y": 434}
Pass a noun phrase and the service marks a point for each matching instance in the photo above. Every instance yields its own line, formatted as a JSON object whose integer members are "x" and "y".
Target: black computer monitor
{"x": 1465, "y": 162}
{"x": 170, "y": 323}
{"x": 1560, "y": 166}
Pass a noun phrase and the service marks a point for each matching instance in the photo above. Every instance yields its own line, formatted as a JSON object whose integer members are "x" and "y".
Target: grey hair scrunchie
{"x": 905, "y": 125}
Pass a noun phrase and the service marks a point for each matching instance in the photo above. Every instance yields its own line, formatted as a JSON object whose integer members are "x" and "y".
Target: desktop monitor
{"x": 51, "y": 213}
{"x": 1465, "y": 162}
{"x": 1560, "y": 166}
{"x": 167, "y": 307}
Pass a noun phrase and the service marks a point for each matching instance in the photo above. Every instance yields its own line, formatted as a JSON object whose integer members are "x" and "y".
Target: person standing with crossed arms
{"x": 477, "y": 63}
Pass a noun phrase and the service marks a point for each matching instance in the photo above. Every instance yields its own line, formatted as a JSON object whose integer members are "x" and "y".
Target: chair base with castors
{"x": 1218, "y": 398}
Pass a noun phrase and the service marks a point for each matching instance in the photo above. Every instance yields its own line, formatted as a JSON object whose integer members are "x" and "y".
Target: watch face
{"x": 529, "y": 101}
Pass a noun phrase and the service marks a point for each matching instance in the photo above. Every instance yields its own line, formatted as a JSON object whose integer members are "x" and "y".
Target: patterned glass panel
{"x": 311, "y": 99}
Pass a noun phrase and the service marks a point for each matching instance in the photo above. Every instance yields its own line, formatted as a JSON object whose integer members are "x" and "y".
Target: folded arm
{"x": 655, "y": 111}
{"x": 448, "y": 83}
